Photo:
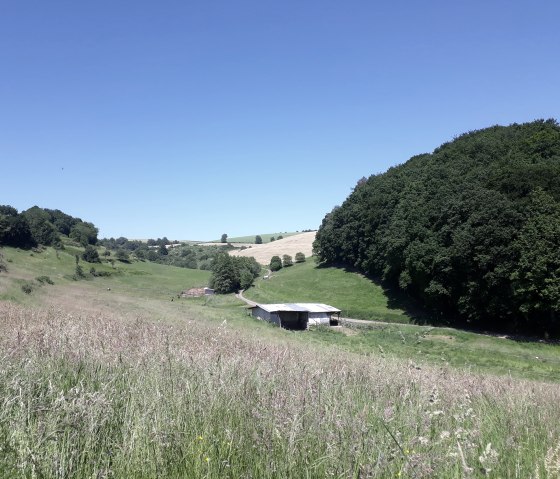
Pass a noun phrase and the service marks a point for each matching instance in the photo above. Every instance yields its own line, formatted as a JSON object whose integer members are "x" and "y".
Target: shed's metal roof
{"x": 301, "y": 307}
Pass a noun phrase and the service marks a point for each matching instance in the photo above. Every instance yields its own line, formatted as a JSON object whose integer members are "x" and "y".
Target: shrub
{"x": 300, "y": 257}
{"x": 79, "y": 273}
{"x": 91, "y": 255}
{"x": 27, "y": 287}
{"x": 122, "y": 255}
{"x": 275, "y": 263}
{"x": 44, "y": 279}
{"x": 287, "y": 261}
{"x": 258, "y": 239}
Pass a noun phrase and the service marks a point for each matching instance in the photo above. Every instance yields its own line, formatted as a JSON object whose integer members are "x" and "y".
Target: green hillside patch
{"x": 423, "y": 345}
{"x": 142, "y": 279}
{"x": 355, "y": 295}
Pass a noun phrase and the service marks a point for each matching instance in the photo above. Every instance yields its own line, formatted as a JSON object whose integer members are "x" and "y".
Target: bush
{"x": 258, "y": 239}
{"x": 275, "y": 263}
{"x": 27, "y": 287}
{"x": 105, "y": 274}
{"x": 300, "y": 258}
{"x": 91, "y": 255}
{"x": 79, "y": 273}
{"x": 44, "y": 279}
{"x": 122, "y": 255}
{"x": 287, "y": 261}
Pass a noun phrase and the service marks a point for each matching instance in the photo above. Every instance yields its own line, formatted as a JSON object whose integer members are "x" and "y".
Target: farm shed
{"x": 296, "y": 315}
{"x": 196, "y": 292}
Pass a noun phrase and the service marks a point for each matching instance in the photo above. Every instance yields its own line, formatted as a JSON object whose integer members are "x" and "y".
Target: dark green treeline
{"x": 471, "y": 231}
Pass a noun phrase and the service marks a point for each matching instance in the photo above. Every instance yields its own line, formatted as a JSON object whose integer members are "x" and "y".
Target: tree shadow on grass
{"x": 397, "y": 300}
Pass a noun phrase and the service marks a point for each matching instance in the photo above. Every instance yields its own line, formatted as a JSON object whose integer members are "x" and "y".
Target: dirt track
{"x": 291, "y": 245}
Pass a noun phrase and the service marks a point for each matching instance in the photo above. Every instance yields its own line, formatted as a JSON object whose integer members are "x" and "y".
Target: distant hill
{"x": 471, "y": 231}
{"x": 297, "y": 243}
{"x": 250, "y": 239}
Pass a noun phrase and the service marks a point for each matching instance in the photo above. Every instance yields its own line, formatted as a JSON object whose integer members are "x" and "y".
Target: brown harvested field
{"x": 291, "y": 245}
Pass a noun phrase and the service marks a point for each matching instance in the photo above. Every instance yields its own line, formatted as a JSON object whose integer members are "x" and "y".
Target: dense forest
{"x": 470, "y": 231}
{"x": 41, "y": 226}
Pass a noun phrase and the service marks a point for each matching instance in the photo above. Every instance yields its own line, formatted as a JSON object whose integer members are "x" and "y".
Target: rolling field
{"x": 302, "y": 242}
{"x": 127, "y": 383}
{"x": 251, "y": 238}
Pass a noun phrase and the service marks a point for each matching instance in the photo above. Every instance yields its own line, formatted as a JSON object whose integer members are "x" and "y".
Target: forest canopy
{"x": 470, "y": 231}
{"x": 41, "y": 226}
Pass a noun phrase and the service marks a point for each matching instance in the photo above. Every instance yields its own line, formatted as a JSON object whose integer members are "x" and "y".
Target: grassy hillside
{"x": 352, "y": 293}
{"x": 144, "y": 289}
{"x": 135, "y": 279}
{"x": 358, "y": 297}
{"x": 186, "y": 388}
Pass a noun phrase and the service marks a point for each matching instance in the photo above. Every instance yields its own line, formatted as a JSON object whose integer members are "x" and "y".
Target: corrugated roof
{"x": 301, "y": 307}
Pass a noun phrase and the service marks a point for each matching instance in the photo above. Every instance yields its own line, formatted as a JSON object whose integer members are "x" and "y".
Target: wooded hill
{"x": 471, "y": 231}
{"x": 42, "y": 226}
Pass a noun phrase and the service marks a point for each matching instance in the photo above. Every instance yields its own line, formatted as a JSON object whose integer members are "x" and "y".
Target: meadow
{"x": 123, "y": 382}
{"x": 98, "y": 395}
{"x": 354, "y": 294}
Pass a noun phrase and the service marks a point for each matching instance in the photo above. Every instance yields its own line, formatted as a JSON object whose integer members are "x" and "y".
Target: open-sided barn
{"x": 296, "y": 315}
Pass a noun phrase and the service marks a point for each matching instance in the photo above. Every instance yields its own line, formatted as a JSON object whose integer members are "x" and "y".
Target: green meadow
{"x": 355, "y": 295}
{"x": 114, "y": 376}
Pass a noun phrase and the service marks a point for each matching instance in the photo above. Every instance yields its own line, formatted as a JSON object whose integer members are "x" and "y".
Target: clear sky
{"x": 194, "y": 118}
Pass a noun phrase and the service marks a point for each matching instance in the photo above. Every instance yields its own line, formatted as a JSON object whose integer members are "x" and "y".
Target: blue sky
{"x": 190, "y": 119}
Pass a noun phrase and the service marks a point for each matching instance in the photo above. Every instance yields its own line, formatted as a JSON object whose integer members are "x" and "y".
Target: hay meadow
{"x": 92, "y": 387}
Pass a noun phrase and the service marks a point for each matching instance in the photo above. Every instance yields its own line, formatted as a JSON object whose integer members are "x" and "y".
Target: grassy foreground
{"x": 105, "y": 396}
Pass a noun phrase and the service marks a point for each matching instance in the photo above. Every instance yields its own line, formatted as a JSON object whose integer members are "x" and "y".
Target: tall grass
{"x": 105, "y": 396}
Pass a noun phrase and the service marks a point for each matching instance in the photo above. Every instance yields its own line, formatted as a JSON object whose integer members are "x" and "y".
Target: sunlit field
{"x": 101, "y": 395}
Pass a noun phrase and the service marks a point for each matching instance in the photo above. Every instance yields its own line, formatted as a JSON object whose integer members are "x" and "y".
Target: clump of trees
{"x": 470, "y": 231}
{"x": 232, "y": 273}
{"x": 287, "y": 261}
{"x": 182, "y": 255}
{"x": 275, "y": 263}
{"x": 41, "y": 226}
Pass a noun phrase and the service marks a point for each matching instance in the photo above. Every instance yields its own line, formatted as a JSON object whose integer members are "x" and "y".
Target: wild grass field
{"x": 127, "y": 383}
